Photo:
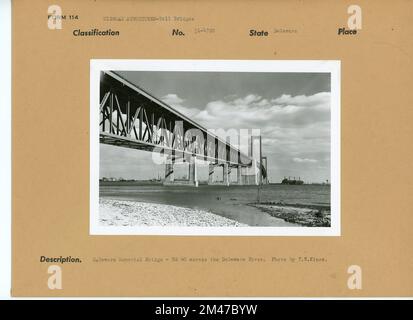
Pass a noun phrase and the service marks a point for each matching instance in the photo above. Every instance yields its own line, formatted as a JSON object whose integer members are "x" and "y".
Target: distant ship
{"x": 292, "y": 181}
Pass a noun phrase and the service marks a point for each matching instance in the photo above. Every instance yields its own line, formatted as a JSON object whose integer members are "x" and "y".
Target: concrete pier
{"x": 250, "y": 175}
{"x": 169, "y": 173}
{"x": 226, "y": 171}
{"x": 245, "y": 175}
{"x": 211, "y": 171}
{"x": 239, "y": 176}
{"x": 192, "y": 174}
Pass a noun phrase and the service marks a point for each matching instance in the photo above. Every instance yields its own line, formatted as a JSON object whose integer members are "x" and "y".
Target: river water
{"x": 230, "y": 202}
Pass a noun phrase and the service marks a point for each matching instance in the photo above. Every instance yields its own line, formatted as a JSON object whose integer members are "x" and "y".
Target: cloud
{"x": 253, "y": 111}
{"x": 295, "y": 129}
{"x": 305, "y": 160}
{"x": 248, "y": 99}
{"x": 172, "y": 99}
{"x": 298, "y": 125}
{"x": 320, "y": 98}
{"x": 175, "y": 101}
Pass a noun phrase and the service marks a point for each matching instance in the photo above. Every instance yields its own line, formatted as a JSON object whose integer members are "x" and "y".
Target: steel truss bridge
{"x": 131, "y": 117}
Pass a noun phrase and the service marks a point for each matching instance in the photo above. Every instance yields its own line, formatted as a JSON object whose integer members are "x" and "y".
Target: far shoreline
{"x": 201, "y": 183}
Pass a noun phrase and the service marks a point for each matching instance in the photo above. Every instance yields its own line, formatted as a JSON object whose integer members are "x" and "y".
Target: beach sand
{"x": 132, "y": 213}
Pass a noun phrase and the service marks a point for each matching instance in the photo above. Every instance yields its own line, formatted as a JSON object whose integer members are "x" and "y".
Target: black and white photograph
{"x": 212, "y": 149}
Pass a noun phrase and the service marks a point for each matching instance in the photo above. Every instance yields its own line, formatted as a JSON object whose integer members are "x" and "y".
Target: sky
{"x": 292, "y": 111}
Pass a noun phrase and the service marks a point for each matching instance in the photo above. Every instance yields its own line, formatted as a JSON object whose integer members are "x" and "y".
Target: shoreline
{"x": 123, "y": 212}
{"x": 134, "y": 213}
{"x": 300, "y": 214}
{"x": 231, "y": 203}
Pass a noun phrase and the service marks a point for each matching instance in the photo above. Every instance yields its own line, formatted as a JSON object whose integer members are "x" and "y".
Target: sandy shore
{"x": 131, "y": 213}
{"x": 308, "y": 216}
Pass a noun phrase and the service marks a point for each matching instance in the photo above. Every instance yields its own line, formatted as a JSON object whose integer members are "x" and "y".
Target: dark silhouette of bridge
{"x": 130, "y": 117}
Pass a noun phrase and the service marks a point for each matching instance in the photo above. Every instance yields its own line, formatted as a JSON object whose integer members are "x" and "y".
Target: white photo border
{"x": 6, "y": 149}
{"x": 287, "y": 66}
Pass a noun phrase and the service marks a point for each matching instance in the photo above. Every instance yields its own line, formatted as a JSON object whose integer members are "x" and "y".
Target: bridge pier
{"x": 239, "y": 176}
{"x": 250, "y": 175}
{"x": 169, "y": 173}
{"x": 192, "y": 174}
{"x": 245, "y": 175}
{"x": 211, "y": 171}
{"x": 226, "y": 171}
